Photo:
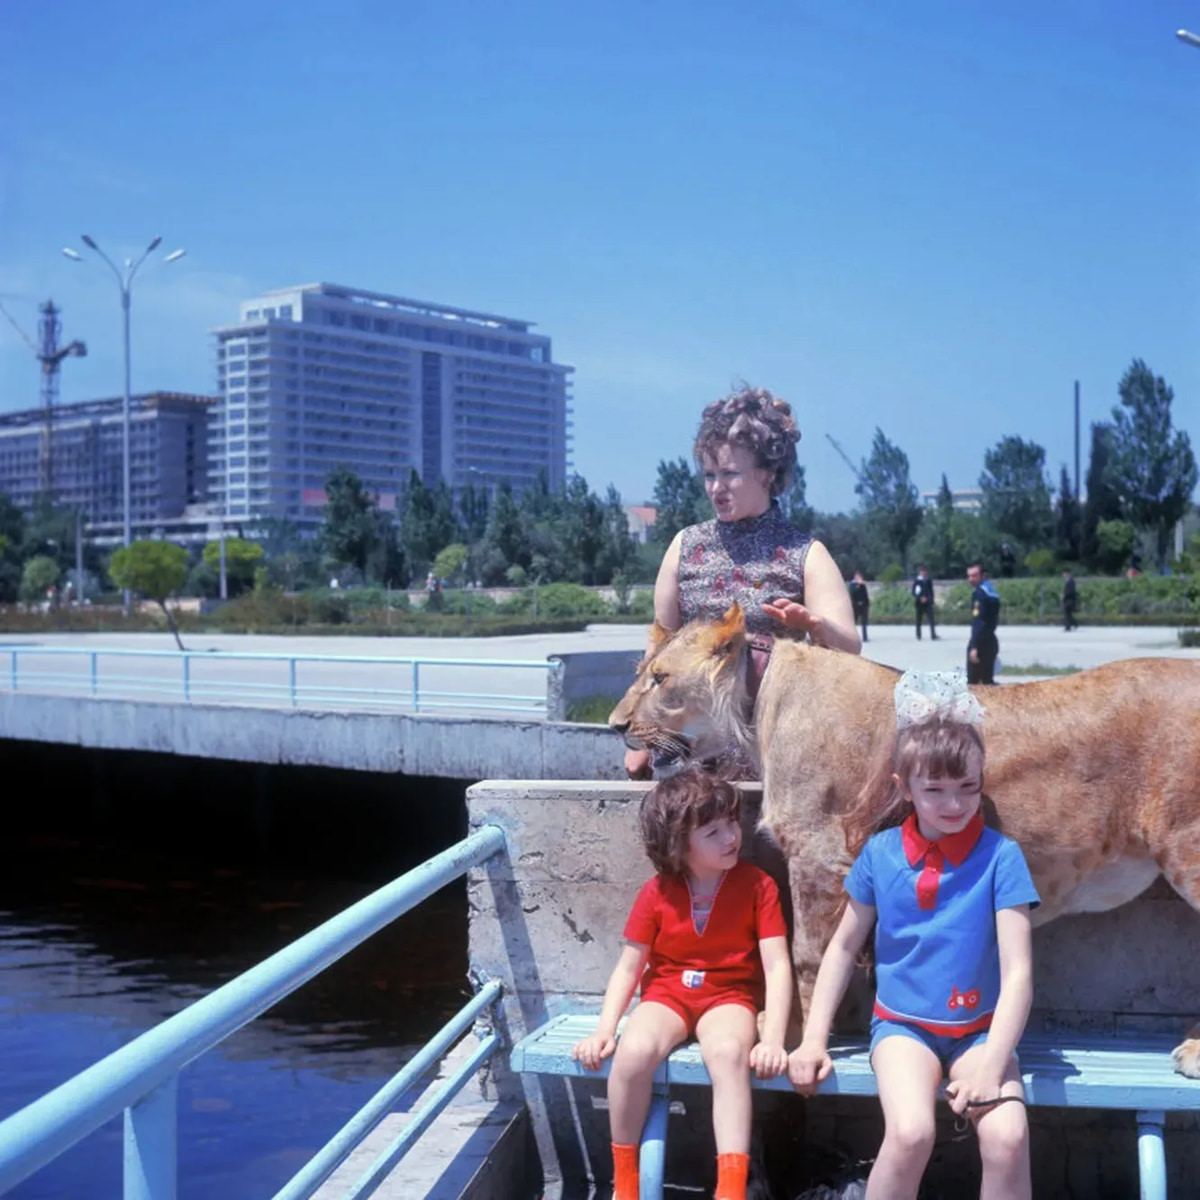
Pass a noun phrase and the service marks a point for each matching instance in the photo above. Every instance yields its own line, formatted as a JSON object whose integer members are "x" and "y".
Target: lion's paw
{"x": 1186, "y": 1058}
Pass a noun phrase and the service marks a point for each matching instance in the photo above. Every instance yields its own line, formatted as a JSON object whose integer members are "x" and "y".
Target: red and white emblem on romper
{"x": 692, "y": 979}
{"x": 963, "y": 999}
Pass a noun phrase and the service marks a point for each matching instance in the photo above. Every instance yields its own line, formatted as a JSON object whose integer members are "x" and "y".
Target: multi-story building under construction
{"x": 168, "y": 459}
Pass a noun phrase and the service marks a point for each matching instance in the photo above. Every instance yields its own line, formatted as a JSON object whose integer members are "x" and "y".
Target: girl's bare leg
{"x": 1003, "y": 1136}
{"x": 651, "y": 1033}
{"x": 727, "y": 1035}
{"x": 907, "y": 1073}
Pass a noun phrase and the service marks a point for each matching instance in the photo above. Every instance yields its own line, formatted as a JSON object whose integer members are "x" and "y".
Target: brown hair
{"x": 754, "y": 418}
{"x": 678, "y": 805}
{"x": 939, "y": 749}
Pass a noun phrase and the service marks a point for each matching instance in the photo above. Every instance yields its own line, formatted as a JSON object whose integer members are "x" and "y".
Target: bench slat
{"x": 1126, "y": 1071}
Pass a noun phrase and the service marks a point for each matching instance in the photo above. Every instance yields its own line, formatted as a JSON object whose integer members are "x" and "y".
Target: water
{"x": 103, "y": 936}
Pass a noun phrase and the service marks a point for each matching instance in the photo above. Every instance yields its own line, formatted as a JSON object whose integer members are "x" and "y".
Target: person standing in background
{"x": 922, "y": 592}
{"x": 860, "y": 601}
{"x": 984, "y": 646}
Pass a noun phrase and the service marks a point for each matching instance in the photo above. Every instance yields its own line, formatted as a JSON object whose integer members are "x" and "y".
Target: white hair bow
{"x": 935, "y": 696}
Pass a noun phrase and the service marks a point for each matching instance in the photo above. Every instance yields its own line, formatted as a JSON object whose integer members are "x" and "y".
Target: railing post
{"x": 151, "y": 1135}
{"x": 187, "y": 677}
{"x": 95, "y": 673}
{"x": 292, "y": 681}
{"x": 416, "y": 686}
{"x": 13, "y": 672}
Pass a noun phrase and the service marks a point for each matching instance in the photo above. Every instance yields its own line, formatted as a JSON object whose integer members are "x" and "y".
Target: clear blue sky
{"x": 931, "y": 216}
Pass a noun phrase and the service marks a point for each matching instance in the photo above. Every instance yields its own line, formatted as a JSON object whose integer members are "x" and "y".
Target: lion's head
{"x": 689, "y": 697}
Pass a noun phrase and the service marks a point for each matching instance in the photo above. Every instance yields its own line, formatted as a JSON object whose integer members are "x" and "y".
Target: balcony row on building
{"x": 308, "y": 379}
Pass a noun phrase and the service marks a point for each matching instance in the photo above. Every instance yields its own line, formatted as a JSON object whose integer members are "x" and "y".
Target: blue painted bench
{"x": 1131, "y": 1072}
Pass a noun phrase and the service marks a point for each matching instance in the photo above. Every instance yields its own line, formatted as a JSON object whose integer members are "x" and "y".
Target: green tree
{"x": 349, "y": 531}
{"x": 793, "y": 503}
{"x": 387, "y": 562}
{"x": 427, "y": 522}
{"x": 1114, "y": 543}
{"x": 39, "y": 575}
{"x": 504, "y": 543}
{"x": 242, "y": 559}
{"x": 680, "y": 499}
{"x": 1068, "y": 520}
{"x": 1016, "y": 495}
{"x": 1103, "y": 503}
{"x": 12, "y": 530}
{"x": 450, "y": 560}
{"x": 473, "y": 512}
{"x": 1152, "y": 468}
{"x": 889, "y": 496}
{"x": 618, "y": 552}
{"x": 156, "y": 570}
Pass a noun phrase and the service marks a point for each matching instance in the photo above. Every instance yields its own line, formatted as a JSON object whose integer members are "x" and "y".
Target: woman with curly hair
{"x": 786, "y": 583}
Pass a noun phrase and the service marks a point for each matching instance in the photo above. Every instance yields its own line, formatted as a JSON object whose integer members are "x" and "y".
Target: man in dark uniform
{"x": 985, "y": 615}
{"x": 860, "y": 601}
{"x": 922, "y": 593}
{"x": 1069, "y": 601}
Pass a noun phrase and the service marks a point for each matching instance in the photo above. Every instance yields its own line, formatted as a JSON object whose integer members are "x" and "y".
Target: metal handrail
{"x": 141, "y": 1077}
{"x": 189, "y": 688}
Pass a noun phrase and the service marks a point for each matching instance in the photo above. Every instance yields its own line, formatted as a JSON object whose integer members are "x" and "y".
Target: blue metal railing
{"x": 141, "y": 1078}
{"x": 191, "y": 678}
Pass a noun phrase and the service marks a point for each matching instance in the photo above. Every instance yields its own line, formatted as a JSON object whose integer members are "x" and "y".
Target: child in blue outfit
{"x": 949, "y": 900}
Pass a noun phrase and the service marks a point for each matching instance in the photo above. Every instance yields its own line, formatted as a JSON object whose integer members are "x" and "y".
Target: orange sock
{"x": 625, "y": 1172}
{"x": 732, "y": 1170}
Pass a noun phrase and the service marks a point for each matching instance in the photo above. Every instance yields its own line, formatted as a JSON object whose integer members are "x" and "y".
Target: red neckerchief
{"x": 918, "y": 848}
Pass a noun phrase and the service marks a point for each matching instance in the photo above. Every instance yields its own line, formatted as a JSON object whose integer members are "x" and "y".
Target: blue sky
{"x": 931, "y": 217}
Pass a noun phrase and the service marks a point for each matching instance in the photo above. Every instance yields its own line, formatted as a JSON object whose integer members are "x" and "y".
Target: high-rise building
{"x": 316, "y": 377}
{"x": 168, "y": 459}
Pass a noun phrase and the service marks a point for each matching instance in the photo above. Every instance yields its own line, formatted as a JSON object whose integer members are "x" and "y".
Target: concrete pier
{"x": 546, "y": 920}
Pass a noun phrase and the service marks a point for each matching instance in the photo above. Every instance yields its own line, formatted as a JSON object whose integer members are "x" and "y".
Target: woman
{"x": 786, "y": 583}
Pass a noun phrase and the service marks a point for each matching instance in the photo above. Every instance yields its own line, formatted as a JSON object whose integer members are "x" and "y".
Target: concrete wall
{"x": 448, "y": 747}
{"x": 587, "y": 674}
{"x": 546, "y": 920}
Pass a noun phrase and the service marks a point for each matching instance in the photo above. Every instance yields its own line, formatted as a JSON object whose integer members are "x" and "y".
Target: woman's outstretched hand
{"x": 793, "y": 616}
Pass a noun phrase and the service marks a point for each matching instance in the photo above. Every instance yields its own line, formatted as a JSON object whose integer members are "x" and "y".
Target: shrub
{"x": 892, "y": 573}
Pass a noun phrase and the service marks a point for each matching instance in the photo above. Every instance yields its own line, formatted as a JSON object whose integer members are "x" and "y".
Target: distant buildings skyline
{"x": 309, "y": 379}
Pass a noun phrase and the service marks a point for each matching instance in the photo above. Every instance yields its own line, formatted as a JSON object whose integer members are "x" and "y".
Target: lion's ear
{"x": 728, "y": 630}
{"x": 658, "y": 635}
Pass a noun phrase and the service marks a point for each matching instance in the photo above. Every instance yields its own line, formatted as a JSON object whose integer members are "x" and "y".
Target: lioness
{"x": 1095, "y": 774}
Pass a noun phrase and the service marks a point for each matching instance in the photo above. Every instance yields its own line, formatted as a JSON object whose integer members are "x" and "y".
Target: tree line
{"x": 1140, "y": 477}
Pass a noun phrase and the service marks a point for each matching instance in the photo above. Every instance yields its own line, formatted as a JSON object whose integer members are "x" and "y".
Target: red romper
{"x": 692, "y": 972}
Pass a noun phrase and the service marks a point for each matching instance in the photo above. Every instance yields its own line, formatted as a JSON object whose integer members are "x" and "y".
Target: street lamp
{"x": 124, "y": 278}
{"x": 1191, "y": 39}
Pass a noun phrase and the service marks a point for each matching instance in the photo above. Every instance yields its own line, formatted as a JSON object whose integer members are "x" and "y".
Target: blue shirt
{"x": 936, "y": 955}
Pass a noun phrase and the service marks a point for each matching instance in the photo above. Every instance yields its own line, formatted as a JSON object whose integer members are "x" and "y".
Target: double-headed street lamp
{"x": 124, "y": 278}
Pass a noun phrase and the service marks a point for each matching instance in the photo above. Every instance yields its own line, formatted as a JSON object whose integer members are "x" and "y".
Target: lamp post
{"x": 124, "y": 278}
{"x": 1190, "y": 39}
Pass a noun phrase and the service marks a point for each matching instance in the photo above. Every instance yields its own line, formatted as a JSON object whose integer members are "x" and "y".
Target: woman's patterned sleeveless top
{"x": 751, "y": 561}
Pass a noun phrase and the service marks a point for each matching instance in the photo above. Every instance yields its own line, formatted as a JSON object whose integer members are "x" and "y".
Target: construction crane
{"x": 856, "y": 471}
{"x": 50, "y": 354}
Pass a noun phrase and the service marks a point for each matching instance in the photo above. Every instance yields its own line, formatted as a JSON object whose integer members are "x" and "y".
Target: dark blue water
{"x": 100, "y": 941}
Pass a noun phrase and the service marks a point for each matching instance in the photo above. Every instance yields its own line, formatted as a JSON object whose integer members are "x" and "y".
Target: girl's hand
{"x": 793, "y": 616}
{"x": 592, "y": 1051}
{"x": 983, "y": 1085}
{"x": 768, "y": 1060}
{"x": 807, "y": 1066}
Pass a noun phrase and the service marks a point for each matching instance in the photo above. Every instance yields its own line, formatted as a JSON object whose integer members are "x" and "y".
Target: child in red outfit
{"x": 707, "y": 943}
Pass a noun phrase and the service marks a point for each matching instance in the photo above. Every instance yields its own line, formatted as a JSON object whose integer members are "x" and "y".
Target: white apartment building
{"x": 316, "y": 377}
